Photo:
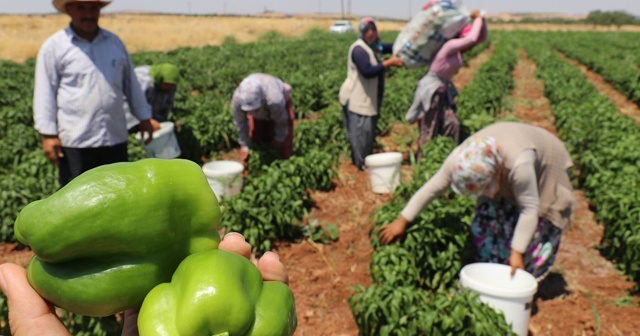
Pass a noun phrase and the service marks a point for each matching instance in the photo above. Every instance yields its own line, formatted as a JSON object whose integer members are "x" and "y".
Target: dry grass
{"x": 22, "y": 35}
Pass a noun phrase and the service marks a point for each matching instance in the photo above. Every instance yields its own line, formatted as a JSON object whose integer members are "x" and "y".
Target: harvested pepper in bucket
{"x": 218, "y": 293}
{"x": 112, "y": 234}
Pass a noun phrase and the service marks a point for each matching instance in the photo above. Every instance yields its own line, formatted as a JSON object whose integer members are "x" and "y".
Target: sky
{"x": 400, "y": 9}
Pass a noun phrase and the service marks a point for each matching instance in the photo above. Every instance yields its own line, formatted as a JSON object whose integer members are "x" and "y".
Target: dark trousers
{"x": 361, "y": 134}
{"x": 78, "y": 160}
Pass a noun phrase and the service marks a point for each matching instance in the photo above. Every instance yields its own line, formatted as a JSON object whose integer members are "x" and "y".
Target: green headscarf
{"x": 164, "y": 73}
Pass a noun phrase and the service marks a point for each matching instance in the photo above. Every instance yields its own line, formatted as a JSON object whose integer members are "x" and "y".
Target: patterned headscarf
{"x": 376, "y": 45}
{"x": 250, "y": 94}
{"x": 476, "y": 166}
{"x": 164, "y": 73}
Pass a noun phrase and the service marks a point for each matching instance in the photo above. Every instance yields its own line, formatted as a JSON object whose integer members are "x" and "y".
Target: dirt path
{"x": 624, "y": 105}
{"x": 322, "y": 274}
{"x": 585, "y": 294}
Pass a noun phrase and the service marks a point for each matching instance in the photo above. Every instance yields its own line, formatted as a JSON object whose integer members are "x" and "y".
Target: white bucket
{"x": 224, "y": 177}
{"x": 510, "y": 295}
{"x": 384, "y": 170}
{"x": 164, "y": 144}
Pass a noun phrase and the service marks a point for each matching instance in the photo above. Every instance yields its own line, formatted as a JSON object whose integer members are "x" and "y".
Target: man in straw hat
{"x": 83, "y": 76}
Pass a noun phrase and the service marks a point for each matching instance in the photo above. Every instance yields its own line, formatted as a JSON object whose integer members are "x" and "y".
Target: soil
{"x": 584, "y": 294}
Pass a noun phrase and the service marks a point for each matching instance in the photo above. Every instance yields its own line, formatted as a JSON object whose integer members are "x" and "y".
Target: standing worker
{"x": 433, "y": 103}
{"x": 525, "y": 198}
{"x": 263, "y": 113}
{"x": 361, "y": 93}
{"x": 159, "y": 84}
{"x": 83, "y": 75}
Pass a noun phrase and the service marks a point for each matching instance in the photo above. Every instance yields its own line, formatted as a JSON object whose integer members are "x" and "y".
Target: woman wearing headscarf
{"x": 263, "y": 113}
{"x": 518, "y": 173}
{"x": 433, "y": 105}
{"x": 361, "y": 93}
{"x": 159, "y": 84}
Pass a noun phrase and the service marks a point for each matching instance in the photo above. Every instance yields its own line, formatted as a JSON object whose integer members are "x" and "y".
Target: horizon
{"x": 376, "y": 8}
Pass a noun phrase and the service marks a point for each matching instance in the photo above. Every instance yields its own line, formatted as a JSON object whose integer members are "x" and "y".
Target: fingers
{"x": 29, "y": 314}
{"x": 149, "y": 139}
{"x": 234, "y": 242}
{"x": 386, "y": 236}
{"x": 130, "y": 327}
{"x": 272, "y": 268}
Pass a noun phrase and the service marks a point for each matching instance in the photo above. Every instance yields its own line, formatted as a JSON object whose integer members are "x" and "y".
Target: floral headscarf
{"x": 476, "y": 166}
{"x": 376, "y": 45}
{"x": 250, "y": 94}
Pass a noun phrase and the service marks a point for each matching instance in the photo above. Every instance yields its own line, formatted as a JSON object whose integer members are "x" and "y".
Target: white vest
{"x": 359, "y": 92}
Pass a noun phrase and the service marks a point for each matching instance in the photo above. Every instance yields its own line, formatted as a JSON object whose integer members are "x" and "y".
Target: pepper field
{"x": 410, "y": 288}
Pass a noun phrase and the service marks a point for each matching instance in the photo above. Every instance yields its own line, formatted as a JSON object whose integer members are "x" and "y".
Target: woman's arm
{"x": 360, "y": 57}
{"x": 459, "y": 44}
{"x": 524, "y": 184}
{"x": 436, "y": 185}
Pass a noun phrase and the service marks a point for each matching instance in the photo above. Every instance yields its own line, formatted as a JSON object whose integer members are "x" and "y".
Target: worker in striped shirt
{"x": 263, "y": 113}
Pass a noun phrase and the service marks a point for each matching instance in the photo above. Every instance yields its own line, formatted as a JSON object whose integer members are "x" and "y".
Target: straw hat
{"x": 60, "y": 5}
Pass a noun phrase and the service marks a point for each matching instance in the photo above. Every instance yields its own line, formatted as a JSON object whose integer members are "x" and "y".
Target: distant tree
{"x": 614, "y": 18}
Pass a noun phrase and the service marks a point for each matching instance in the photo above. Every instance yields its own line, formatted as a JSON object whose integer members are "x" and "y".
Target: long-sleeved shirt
{"x": 534, "y": 178}
{"x": 80, "y": 88}
{"x": 448, "y": 59}
{"x": 161, "y": 101}
{"x": 274, "y": 107}
{"x": 362, "y": 61}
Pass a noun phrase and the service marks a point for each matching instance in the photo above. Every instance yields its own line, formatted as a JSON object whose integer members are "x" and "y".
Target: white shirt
{"x": 80, "y": 89}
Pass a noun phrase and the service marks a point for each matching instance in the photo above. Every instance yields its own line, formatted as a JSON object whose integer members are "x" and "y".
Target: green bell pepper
{"x": 218, "y": 293}
{"x": 104, "y": 240}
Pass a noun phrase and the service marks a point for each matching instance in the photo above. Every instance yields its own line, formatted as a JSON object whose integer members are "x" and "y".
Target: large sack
{"x": 420, "y": 39}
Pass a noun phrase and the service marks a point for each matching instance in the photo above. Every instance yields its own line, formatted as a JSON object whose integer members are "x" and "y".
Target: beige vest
{"x": 359, "y": 92}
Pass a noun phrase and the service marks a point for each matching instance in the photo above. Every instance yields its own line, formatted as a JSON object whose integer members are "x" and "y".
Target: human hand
{"x": 52, "y": 148}
{"x": 30, "y": 314}
{"x": 475, "y": 14}
{"x": 393, "y": 61}
{"x": 155, "y": 124}
{"x": 244, "y": 157}
{"x": 146, "y": 126}
{"x": 393, "y": 230}
{"x": 516, "y": 261}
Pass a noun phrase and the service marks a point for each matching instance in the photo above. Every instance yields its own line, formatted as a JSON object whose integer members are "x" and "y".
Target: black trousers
{"x": 78, "y": 160}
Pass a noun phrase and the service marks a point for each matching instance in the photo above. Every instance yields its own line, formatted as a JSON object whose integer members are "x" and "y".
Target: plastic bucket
{"x": 224, "y": 177}
{"x": 510, "y": 295}
{"x": 384, "y": 171}
{"x": 164, "y": 144}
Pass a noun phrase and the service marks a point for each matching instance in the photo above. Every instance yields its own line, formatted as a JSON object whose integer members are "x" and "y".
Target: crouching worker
{"x": 263, "y": 113}
{"x": 518, "y": 172}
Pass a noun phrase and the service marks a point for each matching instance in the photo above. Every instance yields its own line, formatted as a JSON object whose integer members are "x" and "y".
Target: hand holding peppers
{"x": 116, "y": 234}
{"x": 30, "y": 314}
{"x": 104, "y": 240}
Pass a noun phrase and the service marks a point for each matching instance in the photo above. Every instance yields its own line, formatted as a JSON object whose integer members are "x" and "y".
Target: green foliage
{"x": 227, "y": 40}
{"x": 611, "y": 18}
{"x": 384, "y": 309}
{"x": 319, "y": 234}
{"x": 603, "y": 144}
